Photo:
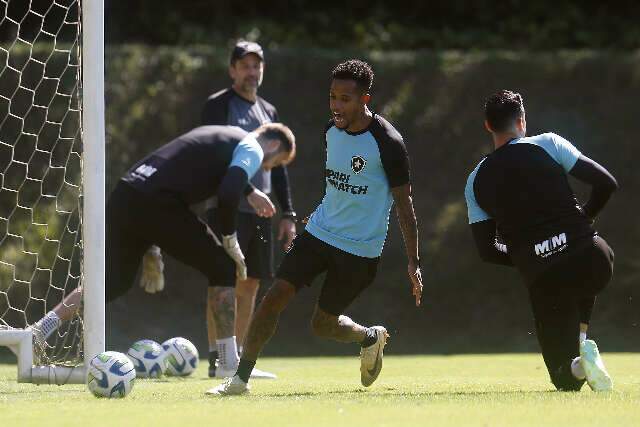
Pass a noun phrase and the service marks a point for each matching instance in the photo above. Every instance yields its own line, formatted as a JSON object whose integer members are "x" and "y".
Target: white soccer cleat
{"x": 371, "y": 357}
{"x": 597, "y": 376}
{"x": 230, "y": 387}
{"x": 263, "y": 375}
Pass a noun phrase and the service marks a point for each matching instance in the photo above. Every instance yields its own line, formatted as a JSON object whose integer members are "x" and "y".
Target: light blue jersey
{"x": 361, "y": 169}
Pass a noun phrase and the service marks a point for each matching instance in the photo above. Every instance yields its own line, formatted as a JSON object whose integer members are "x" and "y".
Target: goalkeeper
{"x": 150, "y": 206}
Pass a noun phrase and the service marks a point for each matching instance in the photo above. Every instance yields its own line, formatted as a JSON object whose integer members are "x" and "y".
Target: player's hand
{"x": 152, "y": 279}
{"x": 415, "y": 276}
{"x": 232, "y": 248}
{"x": 261, "y": 203}
{"x": 287, "y": 232}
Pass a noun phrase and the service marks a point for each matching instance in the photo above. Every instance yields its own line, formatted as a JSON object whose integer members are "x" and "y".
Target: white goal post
{"x": 63, "y": 361}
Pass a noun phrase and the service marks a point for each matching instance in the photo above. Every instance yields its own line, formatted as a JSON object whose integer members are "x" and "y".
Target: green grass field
{"x": 476, "y": 390}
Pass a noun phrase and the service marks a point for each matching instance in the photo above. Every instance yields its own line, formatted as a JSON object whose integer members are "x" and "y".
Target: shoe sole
{"x": 368, "y": 377}
{"x": 597, "y": 376}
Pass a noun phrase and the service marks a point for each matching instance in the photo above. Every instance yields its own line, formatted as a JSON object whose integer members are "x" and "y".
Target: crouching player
{"x": 523, "y": 213}
{"x": 150, "y": 206}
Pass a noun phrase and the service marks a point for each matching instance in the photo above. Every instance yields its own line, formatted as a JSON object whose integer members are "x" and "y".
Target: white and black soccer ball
{"x": 148, "y": 358}
{"x": 181, "y": 356}
{"x": 110, "y": 374}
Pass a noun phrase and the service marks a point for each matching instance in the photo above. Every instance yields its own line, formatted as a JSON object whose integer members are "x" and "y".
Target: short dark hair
{"x": 356, "y": 70}
{"x": 502, "y": 109}
{"x": 283, "y": 134}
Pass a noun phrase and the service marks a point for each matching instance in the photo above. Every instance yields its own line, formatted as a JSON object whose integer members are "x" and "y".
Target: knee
{"x": 247, "y": 288}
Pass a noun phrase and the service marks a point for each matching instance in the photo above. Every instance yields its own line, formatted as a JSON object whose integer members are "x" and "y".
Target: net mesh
{"x": 40, "y": 168}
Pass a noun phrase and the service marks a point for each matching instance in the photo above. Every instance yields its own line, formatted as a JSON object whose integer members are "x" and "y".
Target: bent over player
{"x": 367, "y": 169}
{"x": 523, "y": 213}
{"x": 150, "y": 205}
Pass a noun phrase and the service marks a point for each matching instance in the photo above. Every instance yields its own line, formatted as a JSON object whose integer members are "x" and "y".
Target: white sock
{"x": 240, "y": 350}
{"x": 228, "y": 353}
{"x": 48, "y": 324}
{"x": 577, "y": 370}
{"x": 582, "y": 336}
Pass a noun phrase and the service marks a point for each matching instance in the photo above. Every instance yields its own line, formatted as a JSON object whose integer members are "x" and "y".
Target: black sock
{"x": 213, "y": 356}
{"x": 370, "y": 339}
{"x": 244, "y": 369}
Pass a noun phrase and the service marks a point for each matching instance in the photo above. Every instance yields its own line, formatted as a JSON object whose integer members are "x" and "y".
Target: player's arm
{"x": 489, "y": 249}
{"x": 232, "y": 188}
{"x": 603, "y": 184}
{"x": 409, "y": 227}
{"x": 282, "y": 190}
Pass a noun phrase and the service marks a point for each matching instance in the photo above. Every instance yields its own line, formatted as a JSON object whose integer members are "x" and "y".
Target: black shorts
{"x": 256, "y": 241}
{"x": 135, "y": 221}
{"x": 347, "y": 274}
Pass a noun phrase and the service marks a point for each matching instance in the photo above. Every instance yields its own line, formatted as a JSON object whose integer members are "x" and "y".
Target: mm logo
{"x": 550, "y": 244}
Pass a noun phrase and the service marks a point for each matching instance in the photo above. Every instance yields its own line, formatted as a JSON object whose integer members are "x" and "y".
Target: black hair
{"x": 502, "y": 109}
{"x": 356, "y": 70}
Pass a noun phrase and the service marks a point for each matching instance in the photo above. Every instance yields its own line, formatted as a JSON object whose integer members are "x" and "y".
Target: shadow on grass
{"x": 394, "y": 393}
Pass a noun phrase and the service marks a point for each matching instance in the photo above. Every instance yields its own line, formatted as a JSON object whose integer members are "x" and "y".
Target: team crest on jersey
{"x": 358, "y": 163}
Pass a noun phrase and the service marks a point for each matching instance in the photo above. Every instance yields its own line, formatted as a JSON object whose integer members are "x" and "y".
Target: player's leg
{"x": 304, "y": 261}
{"x": 347, "y": 277}
{"x": 124, "y": 248}
{"x": 211, "y": 334}
{"x": 599, "y": 261}
{"x": 557, "y": 322}
{"x": 188, "y": 239}
{"x": 259, "y": 260}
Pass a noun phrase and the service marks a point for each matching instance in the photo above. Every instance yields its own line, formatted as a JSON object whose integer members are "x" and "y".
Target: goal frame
{"x": 20, "y": 341}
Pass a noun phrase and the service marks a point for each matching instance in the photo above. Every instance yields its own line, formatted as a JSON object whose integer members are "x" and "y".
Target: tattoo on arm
{"x": 407, "y": 219}
{"x": 224, "y": 311}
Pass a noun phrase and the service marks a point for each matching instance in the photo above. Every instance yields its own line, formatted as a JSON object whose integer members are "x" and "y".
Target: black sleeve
{"x": 280, "y": 181}
{"x": 229, "y": 193}
{"x": 393, "y": 154}
{"x": 489, "y": 249}
{"x": 395, "y": 162}
{"x": 215, "y": 110}
{"x": 603, "y": 184}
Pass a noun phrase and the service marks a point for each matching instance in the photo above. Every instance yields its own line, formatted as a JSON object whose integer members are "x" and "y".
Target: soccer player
{"x": 523, "y": 213}
{"x": 150, "y": 205}
{"x": 241, "y": 106}
{"x": 367, "y": 170}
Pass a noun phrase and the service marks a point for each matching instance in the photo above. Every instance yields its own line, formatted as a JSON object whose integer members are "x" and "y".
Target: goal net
{"x": 46, "y": 176}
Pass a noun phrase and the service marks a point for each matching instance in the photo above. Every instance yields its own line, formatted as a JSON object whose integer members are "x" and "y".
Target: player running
{"x": 150, "y": 205}
{"x": 367, "y": 169}
{"x": 523, "y": 213}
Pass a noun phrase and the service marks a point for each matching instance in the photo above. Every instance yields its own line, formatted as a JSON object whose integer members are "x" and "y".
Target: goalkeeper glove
{"x": 152, "y": 279}
{"x": 232, "y": 248}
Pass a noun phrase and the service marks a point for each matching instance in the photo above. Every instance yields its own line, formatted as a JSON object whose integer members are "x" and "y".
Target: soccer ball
{"x": 110, "y": 374}
{"x": 148, "y": 358}
{"x": 181, "y": 356}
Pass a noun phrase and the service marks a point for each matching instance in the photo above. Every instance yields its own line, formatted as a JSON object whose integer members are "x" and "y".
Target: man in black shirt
{"x": 523, "y": 213}
{"x": 241, "y": 106}
{"x": 151, "y": 206}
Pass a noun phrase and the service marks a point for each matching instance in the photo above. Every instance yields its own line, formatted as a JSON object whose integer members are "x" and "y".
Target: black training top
{"x": 521, "y": 190}
{"x": 205, "y": 161}
{"x": 227, "y": 107}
